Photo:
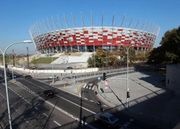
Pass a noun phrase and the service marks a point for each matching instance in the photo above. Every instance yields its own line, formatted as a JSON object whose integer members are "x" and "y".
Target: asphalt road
{"x": 65, "y": 101}
{"x": 28, "y": 110}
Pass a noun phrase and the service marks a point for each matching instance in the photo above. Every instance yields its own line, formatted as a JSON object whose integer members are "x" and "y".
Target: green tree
{"x": 102, "y": 58}
{"x": 169, "y": 49}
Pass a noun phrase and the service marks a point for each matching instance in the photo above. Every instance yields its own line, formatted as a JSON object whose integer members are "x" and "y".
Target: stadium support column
{"x": 102, "y": 21}
{"x": 112, "y": 32}
{"x": 71, "y": 48}
{"x": 61, "y": 48}
{"x": 85, "y": 47}
{"x": 94, "y": 49}
{"x": 78, "y": 48}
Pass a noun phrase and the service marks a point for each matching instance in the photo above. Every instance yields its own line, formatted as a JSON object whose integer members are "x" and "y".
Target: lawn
{"x": 43, "y": 60}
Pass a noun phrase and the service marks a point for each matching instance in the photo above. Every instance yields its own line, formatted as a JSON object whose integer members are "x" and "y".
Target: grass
{"x": 43, "y": 60}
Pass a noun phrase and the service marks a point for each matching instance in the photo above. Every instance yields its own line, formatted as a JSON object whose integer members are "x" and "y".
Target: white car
{"x": 107, "y": 118}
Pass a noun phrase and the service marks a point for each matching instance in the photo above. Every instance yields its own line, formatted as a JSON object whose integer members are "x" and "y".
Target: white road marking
{"x": 61, "y": 110}
{"x": 20, "y": 96}
{"x": 93, "y": 88}
{"x": 91, "y": 100}
{"x": 77, "y": 104}
{"x": 45, "y": 114}
{"x": 84, "y": 85}
{"x": 85, "y": 98}
{"x": 2, "y": 96}
{"x": 51, "y": 104}
{"x": 57, "y": 123}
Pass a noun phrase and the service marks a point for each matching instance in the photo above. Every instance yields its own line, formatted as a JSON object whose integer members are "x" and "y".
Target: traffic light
{"x": 128, "y": 94}
{"x": 104, "y": 76}
{"x": 102, "y": 90}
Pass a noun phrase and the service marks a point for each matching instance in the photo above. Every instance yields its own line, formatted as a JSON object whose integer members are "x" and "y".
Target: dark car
{"x": 69, "y": 67}
{"x": 49, "y": 93}
{"x": 107, "y": 118}
{"x": 28, "y": 77}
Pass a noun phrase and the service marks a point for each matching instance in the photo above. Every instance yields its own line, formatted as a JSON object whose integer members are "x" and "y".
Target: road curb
{"x": 103, "y": 99}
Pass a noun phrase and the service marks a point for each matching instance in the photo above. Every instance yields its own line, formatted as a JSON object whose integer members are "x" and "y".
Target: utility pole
{"x": 13, "y": 56}
{"x": 27, "y": 57}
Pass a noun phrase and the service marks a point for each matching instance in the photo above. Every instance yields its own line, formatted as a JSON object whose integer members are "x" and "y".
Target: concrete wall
{"x": 173, "y": 78}
{"x": 61, "y": 66}
{"x": 30, "y": 71}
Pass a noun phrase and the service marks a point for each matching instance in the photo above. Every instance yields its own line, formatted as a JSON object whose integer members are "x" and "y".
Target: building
{"x": 49, "y": 38}
{"x": 172, "y": 78}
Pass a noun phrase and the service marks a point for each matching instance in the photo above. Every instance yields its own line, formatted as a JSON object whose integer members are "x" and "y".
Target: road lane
{"x": 20, "y": 100}
{"x": 39, "y": 87}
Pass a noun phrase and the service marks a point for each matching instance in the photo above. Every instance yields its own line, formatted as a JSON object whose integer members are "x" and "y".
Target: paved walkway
{"x": 140, "y": 89}
{"x": 149, "y": 100}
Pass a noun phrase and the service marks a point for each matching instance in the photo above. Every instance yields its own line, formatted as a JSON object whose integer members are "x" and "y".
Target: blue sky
{"x": 16, "y": 16}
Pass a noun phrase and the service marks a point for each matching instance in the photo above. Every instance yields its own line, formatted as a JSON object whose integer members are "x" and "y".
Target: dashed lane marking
{"x": 36, "y": 108}
{"x": 85, "y": 98}
{"x": 59, "y": 109}
{"x": 92, "y": 101}
{"x": 76, "y": 104}
{"x": 2, "y": 96}
{"x": 20, "y": 96}
{"x": 57, "y": 123}
{"x": 45, "y": 114}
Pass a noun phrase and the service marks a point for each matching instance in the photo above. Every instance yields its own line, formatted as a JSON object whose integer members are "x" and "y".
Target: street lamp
{"x": 5, "y": 77}
{"x": 127, "y": 77}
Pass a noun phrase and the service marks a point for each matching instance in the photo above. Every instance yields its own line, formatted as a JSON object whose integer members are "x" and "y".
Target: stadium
{"x": 57, "y": 35}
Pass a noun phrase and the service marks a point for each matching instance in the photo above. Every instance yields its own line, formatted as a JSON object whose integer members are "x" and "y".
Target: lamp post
{"x": 127, "y": 78}
{"x": 52, "y": 68}
{"x": 5, "y": 77}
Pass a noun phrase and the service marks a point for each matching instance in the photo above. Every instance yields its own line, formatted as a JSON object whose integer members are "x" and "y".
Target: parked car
{"x": 69, "y": 67}
{"x": 49, "y": 93}
{"x": 107, "y": 118}
{"x": 27, "y": 76}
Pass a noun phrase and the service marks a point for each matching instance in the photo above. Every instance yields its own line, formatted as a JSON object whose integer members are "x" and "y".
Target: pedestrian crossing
{"x": 89, "y": 93}
{"x": 90, "y": 86}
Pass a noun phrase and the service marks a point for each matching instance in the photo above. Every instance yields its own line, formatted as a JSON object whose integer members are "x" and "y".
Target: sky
{"x": 17, "y": 16}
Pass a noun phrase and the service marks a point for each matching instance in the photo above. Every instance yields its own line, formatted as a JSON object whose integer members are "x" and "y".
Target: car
{"x": 107, "y": 118}
{"x": 69, "y": 67}
{"x": 27, "y": 76}
{"x": 49, "y": 93}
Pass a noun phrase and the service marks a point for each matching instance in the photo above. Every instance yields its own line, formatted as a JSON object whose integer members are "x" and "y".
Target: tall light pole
{"x": 27, "y": 57}
{"x": 127, "y": 77}
{"x": 5, "y": 78}
{"x": 52, "y": 68}
{"x": 13, "y": 55}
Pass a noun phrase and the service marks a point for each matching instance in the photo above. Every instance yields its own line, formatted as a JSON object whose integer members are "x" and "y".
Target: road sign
{"x": 106, "y": 83}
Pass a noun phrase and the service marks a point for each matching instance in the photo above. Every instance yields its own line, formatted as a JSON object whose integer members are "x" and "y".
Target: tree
{"x": 169, "y": 51}
{"x": 103, "y": 58}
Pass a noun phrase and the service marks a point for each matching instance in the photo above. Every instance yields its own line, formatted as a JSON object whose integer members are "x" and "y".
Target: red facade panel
{"x": 99, "y": 37}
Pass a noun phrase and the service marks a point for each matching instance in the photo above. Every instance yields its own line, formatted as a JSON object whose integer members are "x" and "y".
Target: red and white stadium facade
{"x": 90, "y": 38}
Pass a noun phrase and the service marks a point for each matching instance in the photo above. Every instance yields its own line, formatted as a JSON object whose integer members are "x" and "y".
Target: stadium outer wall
{"x": 88, "y": 39}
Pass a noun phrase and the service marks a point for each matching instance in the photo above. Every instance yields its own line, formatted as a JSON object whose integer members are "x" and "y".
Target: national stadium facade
{"x": 50, "y": 37}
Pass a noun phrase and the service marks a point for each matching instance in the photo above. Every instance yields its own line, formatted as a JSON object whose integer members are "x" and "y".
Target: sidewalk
{"x": 115, "y": 89}
{"x": 149, "y": 100}
{"x": 74, "y": 89}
